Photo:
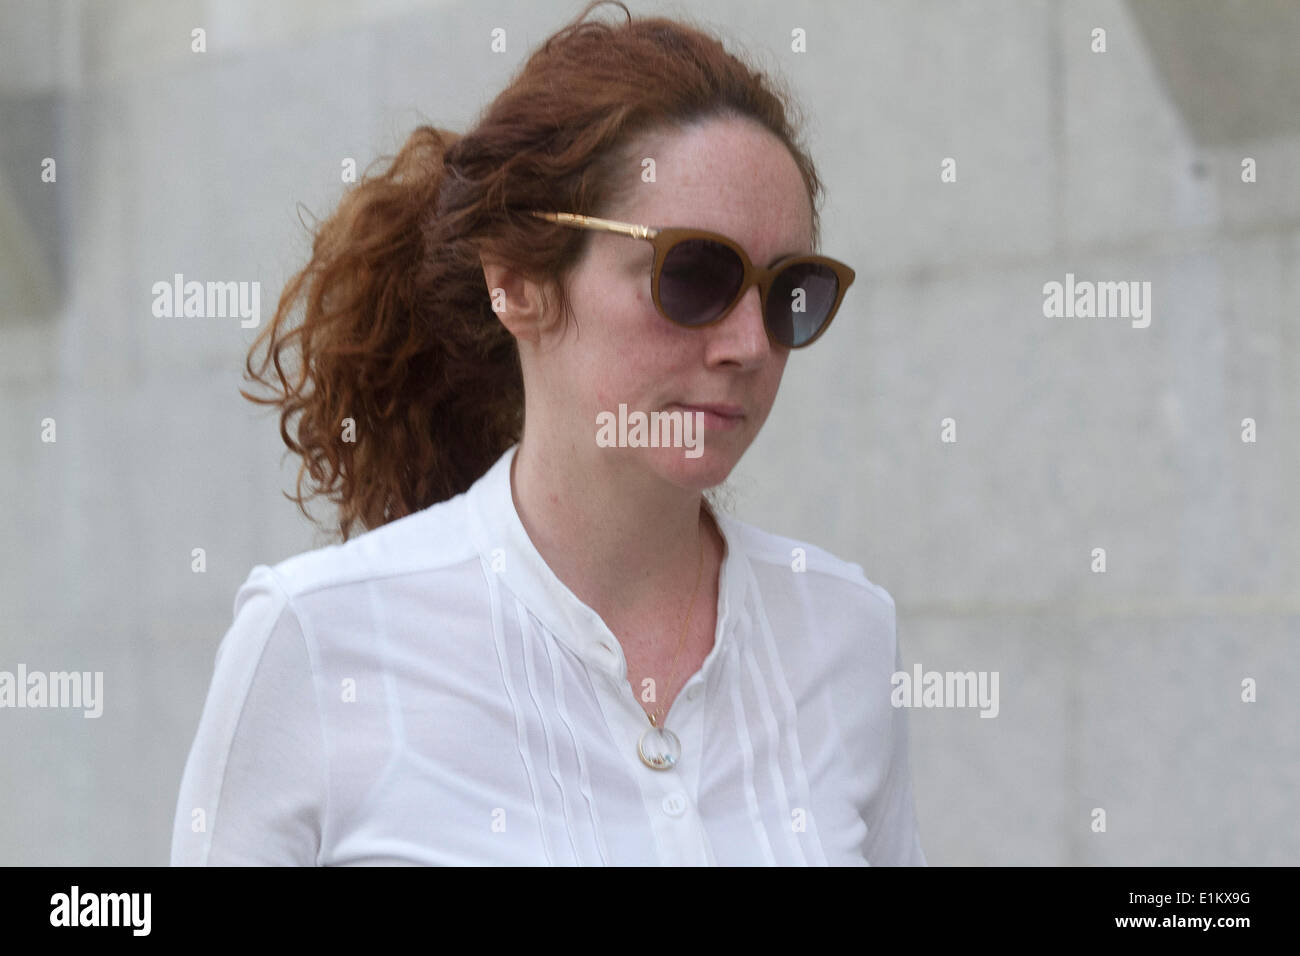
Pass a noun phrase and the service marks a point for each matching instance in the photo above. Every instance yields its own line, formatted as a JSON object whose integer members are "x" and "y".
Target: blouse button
{"x": 675, "y": 804}
{"x": 693, "y": 691}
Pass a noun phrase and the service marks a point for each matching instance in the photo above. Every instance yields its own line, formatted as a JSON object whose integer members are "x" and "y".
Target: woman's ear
{"x": 518, "y": 301}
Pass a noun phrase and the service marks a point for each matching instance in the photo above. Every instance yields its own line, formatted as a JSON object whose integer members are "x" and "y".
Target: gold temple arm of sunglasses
{"x": 592, "y": 222}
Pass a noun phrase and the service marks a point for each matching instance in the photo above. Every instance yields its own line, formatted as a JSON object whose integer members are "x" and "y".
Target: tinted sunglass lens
{"x": 799, "y": 302}
{"x": 698, "y": 280}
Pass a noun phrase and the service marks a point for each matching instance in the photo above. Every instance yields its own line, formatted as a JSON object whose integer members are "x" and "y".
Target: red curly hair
{"x": 398, "y": 331}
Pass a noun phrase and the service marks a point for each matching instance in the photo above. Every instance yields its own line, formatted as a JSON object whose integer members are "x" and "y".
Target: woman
{"x": 548, "y": 647}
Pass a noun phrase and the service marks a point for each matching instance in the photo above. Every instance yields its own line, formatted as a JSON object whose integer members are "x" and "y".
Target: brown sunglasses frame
{"x": 665, "y": 239}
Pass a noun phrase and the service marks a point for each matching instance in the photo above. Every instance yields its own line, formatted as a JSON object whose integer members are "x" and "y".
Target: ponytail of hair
{"x": 406, "y": 386}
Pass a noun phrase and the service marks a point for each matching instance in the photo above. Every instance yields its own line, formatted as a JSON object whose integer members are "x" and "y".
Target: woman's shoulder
{"x": 431, "y": 539}
{"x": 802, "y": 561}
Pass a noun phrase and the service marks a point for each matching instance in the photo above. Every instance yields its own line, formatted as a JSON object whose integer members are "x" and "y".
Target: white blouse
{"x": 431, "y": 693}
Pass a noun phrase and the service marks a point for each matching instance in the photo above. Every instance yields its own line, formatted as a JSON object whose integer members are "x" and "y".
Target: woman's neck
{"x": 623, "y": 539}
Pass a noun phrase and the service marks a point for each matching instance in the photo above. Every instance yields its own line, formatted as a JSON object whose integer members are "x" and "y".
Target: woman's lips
{"x": 715, "y": 416}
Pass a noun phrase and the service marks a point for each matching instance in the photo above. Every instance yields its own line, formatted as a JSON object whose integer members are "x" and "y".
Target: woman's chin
{"x": 698, "y": 468}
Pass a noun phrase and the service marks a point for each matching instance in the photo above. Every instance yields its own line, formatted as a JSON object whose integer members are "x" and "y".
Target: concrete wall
{"x": 1119, "y": 690}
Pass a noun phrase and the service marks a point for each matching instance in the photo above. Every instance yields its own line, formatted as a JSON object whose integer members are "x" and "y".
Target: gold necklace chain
{"x": 699, "y": 574}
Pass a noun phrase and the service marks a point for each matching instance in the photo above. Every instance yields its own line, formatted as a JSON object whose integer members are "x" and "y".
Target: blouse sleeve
{"x": 254, "y": 787}
{"x": 893, "y": 838}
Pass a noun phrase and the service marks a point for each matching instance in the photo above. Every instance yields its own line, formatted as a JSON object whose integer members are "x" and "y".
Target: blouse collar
{"x": 507, "y": 550}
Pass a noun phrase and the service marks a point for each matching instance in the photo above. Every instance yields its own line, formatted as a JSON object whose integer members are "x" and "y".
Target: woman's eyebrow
{"x": 787, "y": 255}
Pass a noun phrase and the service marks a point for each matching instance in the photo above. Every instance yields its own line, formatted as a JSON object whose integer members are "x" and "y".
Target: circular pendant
{"x": 659, "y": 748}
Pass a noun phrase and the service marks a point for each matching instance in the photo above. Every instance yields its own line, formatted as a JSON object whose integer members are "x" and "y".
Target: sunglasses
{"x": 699, "y": 276}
